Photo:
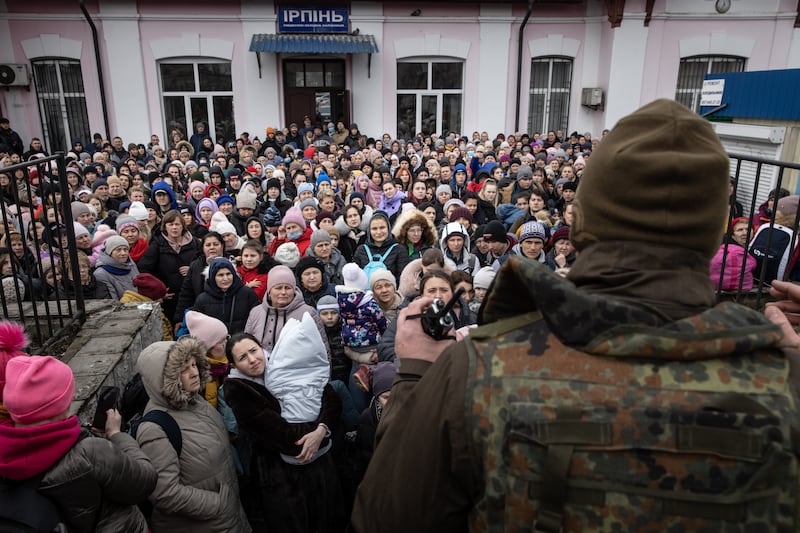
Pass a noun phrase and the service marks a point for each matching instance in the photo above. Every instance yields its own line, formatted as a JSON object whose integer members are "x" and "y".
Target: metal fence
{"x": 41, "y": 280}
{"x": 757, "y": 174}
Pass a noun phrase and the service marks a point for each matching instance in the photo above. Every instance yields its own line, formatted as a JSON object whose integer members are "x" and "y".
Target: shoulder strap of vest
{"x": 384, "y": 256}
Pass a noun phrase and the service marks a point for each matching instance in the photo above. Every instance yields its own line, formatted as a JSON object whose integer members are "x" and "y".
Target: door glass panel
{"x": 412, "y": 75}
{"x": 314, "y": 75}
{"x": 451, "y": 113}
{"x": 215, "y": 76}
{"x": 323, "y": 106}
{"x": 175, "y": 113}
{"x": 199, "y": 110}
{"x": 295, "y": 77}
{"x": 446, "y": 75}
{"x": 177, "y": 77}
{"x": 406, "y": 115}
{"x": 334, "y": 74}
{"x": 224, "y": 126}
{"x": 429, "y": 114}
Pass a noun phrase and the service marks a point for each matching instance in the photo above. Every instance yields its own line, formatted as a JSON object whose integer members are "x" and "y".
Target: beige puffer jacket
{"x": 197, "y": 492}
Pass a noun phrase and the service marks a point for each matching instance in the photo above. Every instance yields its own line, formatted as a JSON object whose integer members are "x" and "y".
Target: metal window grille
{"x": 551, "y": 83}
{"x": 62, "y": 102}
{"x": 693, "y": 69}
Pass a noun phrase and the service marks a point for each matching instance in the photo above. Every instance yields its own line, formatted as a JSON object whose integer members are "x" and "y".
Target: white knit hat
{"x": 138, "y": 211}
{"x": 483, "y": 278}
{"x": 287, "y": 254}
{"x": 354, "y": 277}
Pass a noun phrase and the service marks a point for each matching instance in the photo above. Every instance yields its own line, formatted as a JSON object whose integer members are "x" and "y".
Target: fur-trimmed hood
{"x": 408, "y": 218}
{"x": 161, "y": 364}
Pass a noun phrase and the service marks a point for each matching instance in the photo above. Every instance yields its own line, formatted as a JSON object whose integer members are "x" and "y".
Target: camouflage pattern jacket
{"x": 588, "y": 413}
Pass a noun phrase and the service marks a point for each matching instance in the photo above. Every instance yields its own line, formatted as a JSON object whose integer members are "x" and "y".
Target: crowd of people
{"x": 281, "y": 265}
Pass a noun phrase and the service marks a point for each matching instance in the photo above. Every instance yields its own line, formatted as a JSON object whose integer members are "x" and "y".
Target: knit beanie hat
{"x": 246, "y": 198}
{"x": 323, "y": 176}
{"x": 138, "y": 211}
{"x": 318, "y": 236}
{"x": 99, "y": 182}
{"x": 443, "y": 188}
{"x": 358, "y": 195}
{"x": 280, "y": 275}
{"x": 327, "y": 302}
{"x": 287, "y": 254}
{"x": 207, "y": 329}
{"x": 217, "y": 219}
{"x": 559, "y": 234}
{"x": 495, "y": 231}
{"x": 382, "y": 377}
{"x": 12, "y": 341}
{"x": 788, "y": 205}
{"x": 125, "y": 221}
{"x": 78, "y": 209}
{"x": 37, "y": 388}
{"x": 676, "y": 182}
{"x": 354, "y": 277}
{"x": 197, "y": 185}
{"x": 322, "y": 215}
{"x": 308, "y": 202}
{"x": 273, "y": 183}
{"x": 452, "y": 201}
{"x": 293, "y": 214}
{"x": 306, "y": 263}
{"x": 524, "y": 172}
{"x": 484, "y": 278}
{"x": 80, "y": 229}
{"x": 460, "y": 212}
{"x": 305, "y": 187}
{"x": 114, "y": 242}
{"x": 532, "y": 230}
{"x": 226, "y": 227}
{"x": 570, "y": 186}
{"x": 225, "y": 199}
{"x": 382, "y": 274}
{"x": 150, "y": 286}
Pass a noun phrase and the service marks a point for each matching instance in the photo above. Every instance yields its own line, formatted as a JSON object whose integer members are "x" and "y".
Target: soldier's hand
{"x": 788, "y": 295}
{"x": 411, "y": 341}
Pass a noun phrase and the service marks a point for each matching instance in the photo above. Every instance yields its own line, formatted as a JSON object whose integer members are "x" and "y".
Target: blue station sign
{"x": 313, "y": 19}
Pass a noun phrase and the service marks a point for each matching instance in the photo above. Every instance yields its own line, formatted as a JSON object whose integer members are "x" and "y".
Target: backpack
{"x": 376, "y": 262}
{"x": 777, "y": 257}
{"x": 134, "y": 399}
{"x": 24, "y": 509}
{"x": 167, "y": 423}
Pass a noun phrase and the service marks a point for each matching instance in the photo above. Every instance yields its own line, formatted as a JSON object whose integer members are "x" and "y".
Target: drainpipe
{"x": 99, "y": 68}
{"x": 519, "y": 63}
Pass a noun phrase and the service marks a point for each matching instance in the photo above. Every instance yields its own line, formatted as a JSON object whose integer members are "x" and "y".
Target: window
{"x": 198, "y": 91}
{"x": 62, "y": 103}
{"x": 551, "y": 83}
{"x": 429, "y": 97}
{"x": 692, "y": 71}
{"x": 328, "y": 74}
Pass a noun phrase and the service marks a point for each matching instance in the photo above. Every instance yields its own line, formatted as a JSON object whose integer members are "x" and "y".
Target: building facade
{"x": 392, "y": 67}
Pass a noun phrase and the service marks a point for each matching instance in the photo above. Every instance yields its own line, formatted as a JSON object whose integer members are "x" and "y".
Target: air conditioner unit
{"x": 14, "y": 75}
{"x": 592, "y": 97}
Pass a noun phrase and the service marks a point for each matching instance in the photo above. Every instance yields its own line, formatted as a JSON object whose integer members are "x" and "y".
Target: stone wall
{"x": 107, "y": 347}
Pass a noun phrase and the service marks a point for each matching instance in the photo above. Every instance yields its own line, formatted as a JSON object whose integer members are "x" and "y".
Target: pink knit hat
{"x": 12, "y": 342}
{"x": 278, "y": 275}
{"x": 207, "y": 329}
{"x": 293, "y": 214}
{"x": 37, "y": 388}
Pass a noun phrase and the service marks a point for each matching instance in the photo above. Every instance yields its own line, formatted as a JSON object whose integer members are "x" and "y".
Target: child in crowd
{"x": 254, "y": 266}
{"x": 213, "y": 334}
{"x": 328, "y": 311}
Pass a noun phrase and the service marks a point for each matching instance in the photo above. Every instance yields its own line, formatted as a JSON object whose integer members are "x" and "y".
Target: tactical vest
{"x": 576, "y": 442}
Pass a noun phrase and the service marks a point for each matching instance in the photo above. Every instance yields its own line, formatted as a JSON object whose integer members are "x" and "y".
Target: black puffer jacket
{"x": 162, "y": 261}
{"x": 232, "y": 307}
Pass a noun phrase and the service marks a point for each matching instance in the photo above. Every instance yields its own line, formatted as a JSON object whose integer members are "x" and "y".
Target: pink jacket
{"x": 733, "y": 266}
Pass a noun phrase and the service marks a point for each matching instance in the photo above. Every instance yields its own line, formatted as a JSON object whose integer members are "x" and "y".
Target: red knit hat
{"x": 150, "y": 286}
{"x": 12, "y": 342}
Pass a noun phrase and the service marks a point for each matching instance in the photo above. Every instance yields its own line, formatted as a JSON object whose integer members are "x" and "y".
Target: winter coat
{"x": 260, "y": 273}
{"x": 333, "y": 266}
{"x": 302, "y": 242}
{"x": 192, "y": 286}
{"x": 410, "y": 218}
{"x": 197, "y": 491}
{"x": 95, "y": 482}
{"x": 734, "y": 256}
{"x": 266, "y": 322}
{"x": 114, "y": 278}
{"x": 395, "y": 261}
{"x": 231, "y": 307}
{"x": 466, "y": 261}
{"x": 311, "y": 298}
{"x": 340, "y": 363}
{"x": 163, "y": 262}
{"x": 363, "y": 322}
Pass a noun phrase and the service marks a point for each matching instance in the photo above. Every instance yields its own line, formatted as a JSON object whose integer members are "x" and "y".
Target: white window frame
{"x": 197, "y": 93}
{"x": 438, "y": 93}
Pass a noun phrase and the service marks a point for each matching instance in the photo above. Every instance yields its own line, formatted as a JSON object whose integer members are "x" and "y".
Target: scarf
{"x": 176, "y": 246}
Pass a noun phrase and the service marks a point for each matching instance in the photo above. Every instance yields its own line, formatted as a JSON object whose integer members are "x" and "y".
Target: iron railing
{"x": 44, "y": 289}
{"x": 751, "y": 207}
